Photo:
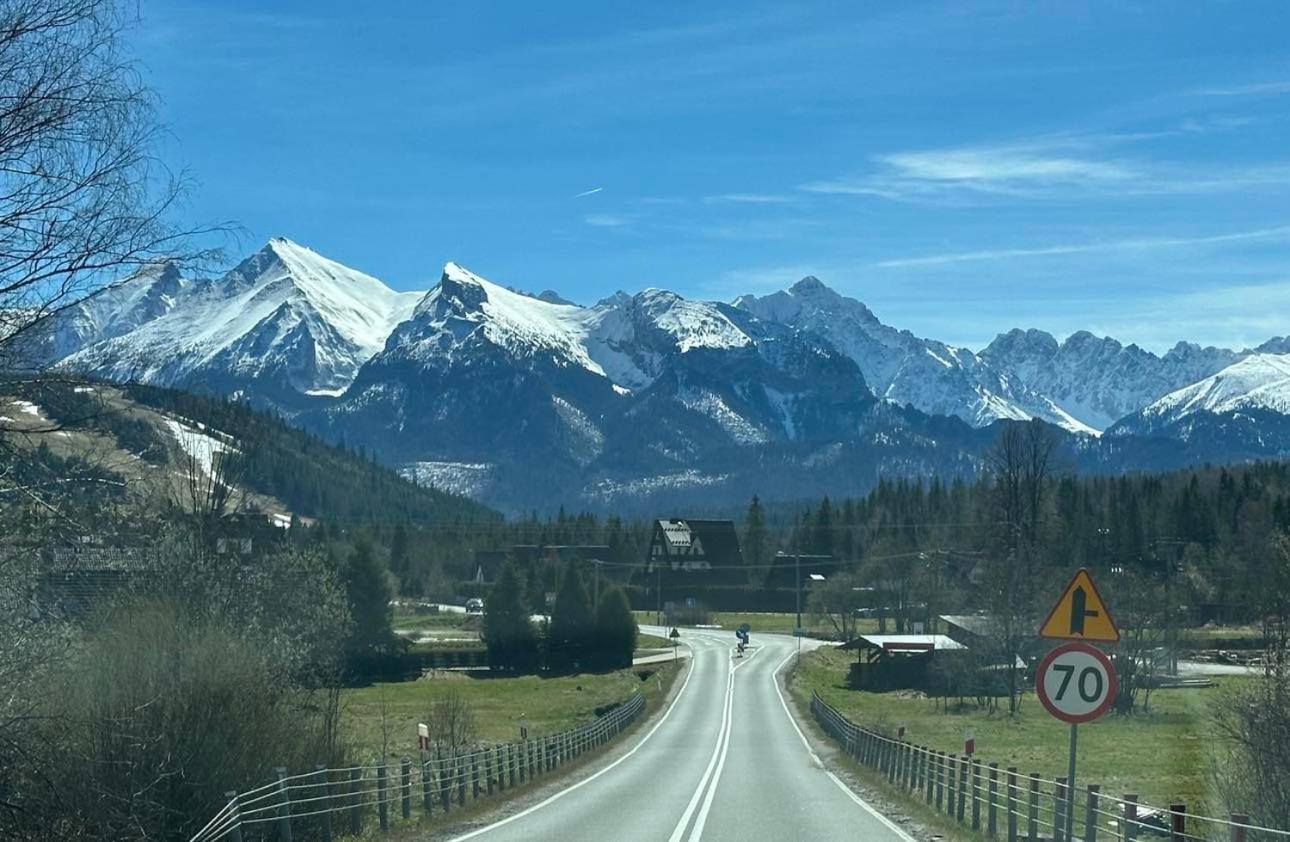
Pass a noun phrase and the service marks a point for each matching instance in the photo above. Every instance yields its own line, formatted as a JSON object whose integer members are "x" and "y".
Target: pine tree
{"x": 823, "y": 541}
{"x": 615, "y": 636}
{"x": 508, "y": 630}
{"x": 756, "y": 543}
{"x": 368, "y": 595}
{"x": 572, "y": 628}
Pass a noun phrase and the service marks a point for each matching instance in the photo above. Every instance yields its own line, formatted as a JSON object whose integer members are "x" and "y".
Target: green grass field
{"x": 649, "y": 641}
{"x": 1161, "y": 756}
{"x": 549, "y": 704}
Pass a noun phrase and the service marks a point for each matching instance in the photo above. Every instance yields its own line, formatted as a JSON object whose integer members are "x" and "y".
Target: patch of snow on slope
{"x": 783, "y": 404}
{"x": 607, "y": 490}
{"x": 736, "y": 426}
{"x": 199, "y": 446}
{"x": 590, "y": 439}
{"x": 466, "y": 478}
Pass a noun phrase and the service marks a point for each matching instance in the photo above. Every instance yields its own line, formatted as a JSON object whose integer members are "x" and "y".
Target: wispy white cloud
{"x": 1056, "y": 167}
{"x": 1137, "y": 244}
{"x": 593, "y": 191}
{"x": 750, "y": 199}
{"x": 605, "y": 220}
{"x": 1256, "y": 89}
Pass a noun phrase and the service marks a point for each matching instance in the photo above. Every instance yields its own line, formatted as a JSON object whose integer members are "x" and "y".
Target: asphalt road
{"x": 726, "y": 762}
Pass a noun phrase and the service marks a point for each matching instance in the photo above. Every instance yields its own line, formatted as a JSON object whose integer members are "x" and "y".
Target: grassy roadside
{"x": 559, "y": 708}
{"x": 386, "y": 714}
{"x": 1160, "y": 755}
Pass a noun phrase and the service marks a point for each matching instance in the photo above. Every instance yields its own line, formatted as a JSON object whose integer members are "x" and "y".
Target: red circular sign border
{"x": 1112, "y": 679}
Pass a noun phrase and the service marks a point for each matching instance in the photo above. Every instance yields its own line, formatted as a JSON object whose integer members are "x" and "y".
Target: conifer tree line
{"x": 1211, "y": 531}
{"x": 579, "y": 637}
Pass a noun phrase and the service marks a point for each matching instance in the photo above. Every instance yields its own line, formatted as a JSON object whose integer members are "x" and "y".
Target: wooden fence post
{"x": 284, "y": 805}
{"x": 992, "y": 813}
{"x": 427, "y": 793}
{"x": 355, "y": 802}
{"x": 511, "y": 763}
{"x": 474, "y": 776}
{"x": 235, "y": 832}
{"x": 324, "y": 820}
{"x": 406, "y": 771}
{"x": 382, "y": 797}
{"x": 463, "y": 775}
{"x": 1032, "y": 811}
{"x": 1013, "y": 805}
{"x": 1059, "y": 809}
{"x": 1130, "y": 818}
{"x": 929, "y": 772}
{"x": 1177, "y": 822}
{"x": 950, "y": 774}
{"x": 963, "y": 781}
{"x": 1238, "y": 833}
{"x": 1090, "y": 813}
{"x": 976, "y": 794}
{"x": 940, "y": 781}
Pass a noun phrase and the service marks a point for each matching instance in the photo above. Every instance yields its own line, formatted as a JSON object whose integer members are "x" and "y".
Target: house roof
{"x": 716, "y": 541}
{"x": 904, "y": 642}
{"x": 977, "y": 624}
{"x": 70, "y": 559}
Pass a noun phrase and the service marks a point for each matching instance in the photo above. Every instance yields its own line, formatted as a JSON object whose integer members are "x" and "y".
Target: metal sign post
{"x": 1076, "y": 682}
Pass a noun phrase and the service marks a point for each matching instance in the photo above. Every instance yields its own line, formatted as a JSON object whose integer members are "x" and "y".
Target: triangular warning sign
{"x": 1080, "y": 614}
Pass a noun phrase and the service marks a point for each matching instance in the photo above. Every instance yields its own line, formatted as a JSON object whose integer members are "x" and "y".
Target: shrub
{"x": 157, "y": 716}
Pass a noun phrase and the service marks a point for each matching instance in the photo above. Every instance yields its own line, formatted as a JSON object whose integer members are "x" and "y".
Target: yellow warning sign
{"x": 1080, "y": 614}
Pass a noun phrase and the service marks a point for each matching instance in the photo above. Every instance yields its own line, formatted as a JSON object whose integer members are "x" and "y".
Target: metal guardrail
{"x": 313, "y": 804}
{"x": 1002, "y": 804}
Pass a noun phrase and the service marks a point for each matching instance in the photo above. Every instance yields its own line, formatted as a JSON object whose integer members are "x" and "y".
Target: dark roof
{"x": 783, "y": 573}
{"x": 86, "y": 559}
{"x": 714, "y": 541}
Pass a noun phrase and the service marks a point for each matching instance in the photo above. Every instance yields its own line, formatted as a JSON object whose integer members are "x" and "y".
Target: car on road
{"x": 475, "y": 606}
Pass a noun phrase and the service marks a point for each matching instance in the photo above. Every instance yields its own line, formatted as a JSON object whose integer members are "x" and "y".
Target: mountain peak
{"x": 808, "y": 286}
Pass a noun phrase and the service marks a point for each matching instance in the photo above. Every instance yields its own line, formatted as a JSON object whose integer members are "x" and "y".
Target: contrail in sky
{"x": 590, "y": 192}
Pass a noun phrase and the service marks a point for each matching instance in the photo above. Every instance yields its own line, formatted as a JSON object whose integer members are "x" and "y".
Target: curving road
{"x": 725, "y": 762}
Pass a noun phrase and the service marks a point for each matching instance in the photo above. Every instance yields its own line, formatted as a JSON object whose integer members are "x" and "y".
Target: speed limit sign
{"x": 1076, "y": 683}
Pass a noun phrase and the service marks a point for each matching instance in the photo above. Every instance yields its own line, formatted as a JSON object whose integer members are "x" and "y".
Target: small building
{"x": 544, "y": 560}
{"x": 686, "y": 551}
{"x": 784, "y": 569}
{"x": 74, "y": 580}
{"x": 897, "y": 661}
{"x": 969, "y": 629}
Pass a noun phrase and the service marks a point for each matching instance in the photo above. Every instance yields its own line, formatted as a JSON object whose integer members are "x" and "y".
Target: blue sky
{"x": 962, "y": 168}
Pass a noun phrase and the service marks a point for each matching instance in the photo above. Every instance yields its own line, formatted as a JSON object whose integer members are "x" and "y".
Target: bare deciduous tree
{"x": 82, "y": 198}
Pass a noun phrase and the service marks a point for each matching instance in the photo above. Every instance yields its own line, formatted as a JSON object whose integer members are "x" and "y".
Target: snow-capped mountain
{"x": 480, "y": 372}
{"x": 1098, "y": 380}
{"x": 527, "y": 399}
{"x": 931, "y": 376}
{"x": 150, "y": 293}
{"x": 1258, "y": 382}
{"x": 284, "y": 321}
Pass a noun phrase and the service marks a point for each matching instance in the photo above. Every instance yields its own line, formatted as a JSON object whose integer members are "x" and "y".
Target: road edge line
{"x": 562, "y": 793}
{"x": 890, "y": 825}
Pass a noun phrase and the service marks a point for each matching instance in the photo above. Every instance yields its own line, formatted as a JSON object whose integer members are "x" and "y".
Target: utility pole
{"x": 658, "y": 593}
{"x": 798, "y": 568}
{"x": 595, "y": 588}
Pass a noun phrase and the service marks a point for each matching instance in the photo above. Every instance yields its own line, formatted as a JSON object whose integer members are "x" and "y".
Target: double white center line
{"x": 708, "y": 783}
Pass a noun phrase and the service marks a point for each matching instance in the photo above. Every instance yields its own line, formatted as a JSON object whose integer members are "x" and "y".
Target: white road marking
{"x": 562, "y": 793}
{"x": 815, "y": 758}
{"x": 726, "y": 705}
